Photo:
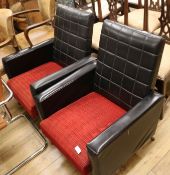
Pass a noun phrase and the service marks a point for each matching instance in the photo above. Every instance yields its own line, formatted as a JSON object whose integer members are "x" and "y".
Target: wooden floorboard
{"x": 19, "y": 140}
{"x": 163, "y": 166}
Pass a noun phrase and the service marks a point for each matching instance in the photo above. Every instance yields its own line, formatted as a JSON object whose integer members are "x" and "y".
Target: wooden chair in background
{"x": 114, "y": 8}
{"x": 137, "y": 18}
{"x": 21, "y": 21}
{"x": 7, "y": 35}
{"x": 35, "y": 33}
{"x": 7, "y": 47}
{"x": 163, "y": 79}
{"x": 99, "y": 7}
{"x": 41, "y": 31}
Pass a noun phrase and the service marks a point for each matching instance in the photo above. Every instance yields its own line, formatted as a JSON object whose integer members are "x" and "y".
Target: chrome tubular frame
{"x": 11, "y": 119}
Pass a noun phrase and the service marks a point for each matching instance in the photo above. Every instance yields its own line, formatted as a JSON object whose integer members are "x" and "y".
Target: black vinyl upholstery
{"x": 125, "y": 73}
{"x": 128, "y": 63}
{"x": 27, "y": 59}
{"x": 73, "y": 34}
{"x": 70, "y": 3}
{"x": 72, "y": 42}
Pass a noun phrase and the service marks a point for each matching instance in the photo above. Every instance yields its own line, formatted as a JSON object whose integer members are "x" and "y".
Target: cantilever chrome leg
{"x": 12, "y": 119}
{"x": 34, "y": 154}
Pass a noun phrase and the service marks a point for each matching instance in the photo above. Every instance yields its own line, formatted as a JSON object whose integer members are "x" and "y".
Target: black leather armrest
{"x": 27, "y": 59}
{"x": 52, "y": 79}
{"x": 66, "y": 91}
{"x": 114, "y": 146}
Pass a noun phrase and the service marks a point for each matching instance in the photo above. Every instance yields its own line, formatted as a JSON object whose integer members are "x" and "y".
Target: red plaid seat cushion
{"x": 20, "y": 85}
{"x": 78, "y": 123}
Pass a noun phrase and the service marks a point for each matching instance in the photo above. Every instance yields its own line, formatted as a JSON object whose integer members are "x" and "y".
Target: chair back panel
{"x": 155, "y": 5}
{"x": 128, "y": 63}
{"x": 70, "y": 3}
{"x": 6, "y": 23}
{"x": 73, "y": 34}
{"x": 165, "y": 21}
{"x": 47, "y": 8}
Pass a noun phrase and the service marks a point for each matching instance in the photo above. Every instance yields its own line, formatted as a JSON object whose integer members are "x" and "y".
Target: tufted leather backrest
{"x": 128, "y": 63}
{"x": 73, "y": 34}
{"x": 70, "y": 3}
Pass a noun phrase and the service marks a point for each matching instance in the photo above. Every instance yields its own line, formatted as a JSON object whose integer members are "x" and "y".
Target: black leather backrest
{"x": 70, "y": 3}
{"x": 128, "y": 63}
{"x": 73, "y": 34}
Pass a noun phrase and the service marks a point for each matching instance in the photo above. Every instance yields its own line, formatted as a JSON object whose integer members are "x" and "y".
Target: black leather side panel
{"x": 120, "y": 141}
{"x": 27, "y": 59}
{"x": 66, "y": 91}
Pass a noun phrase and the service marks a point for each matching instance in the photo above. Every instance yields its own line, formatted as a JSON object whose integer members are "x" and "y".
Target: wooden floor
{"x": 19, "y": 140}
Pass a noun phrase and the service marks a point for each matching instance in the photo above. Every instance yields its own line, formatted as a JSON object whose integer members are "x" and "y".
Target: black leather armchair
{"x": 71, "y": 46}
{"x": 109, "y": 107}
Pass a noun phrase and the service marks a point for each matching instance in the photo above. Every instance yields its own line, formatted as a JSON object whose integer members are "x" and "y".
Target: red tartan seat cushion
{"x": 20, "y": 85}
{"x": 78, "y": 123}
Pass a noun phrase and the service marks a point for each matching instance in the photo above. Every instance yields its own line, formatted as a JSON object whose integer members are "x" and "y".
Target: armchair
{"x": 7, "y": 40}
{"x": 39, "y": 32}
{"x": 100, "y": 8}
{"x": 163, "y": 80}
{"x": 116, "y": 110}
{"x": 105, "y": 8}
{"x": 20, "y": 22}
{"x": 31, "y": 66}
{"x": 146, "y": 17}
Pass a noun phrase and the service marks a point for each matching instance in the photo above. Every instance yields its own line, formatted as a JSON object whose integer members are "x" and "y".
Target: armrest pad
{"x": 26, "y": 11}
{"x": 52, "y": 79}
{"x": 66, "y": 91}
{"x": 114, "y": 146}
{"x": 111, "y": 133}
{"x": 27, "y": 59}
{"x": 26, "y": 31}
{"x": 6, "y": 42}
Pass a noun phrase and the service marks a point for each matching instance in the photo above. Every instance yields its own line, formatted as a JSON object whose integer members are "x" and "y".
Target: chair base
{"x": 11, "y": 119}
{"x": 34, "y": 154}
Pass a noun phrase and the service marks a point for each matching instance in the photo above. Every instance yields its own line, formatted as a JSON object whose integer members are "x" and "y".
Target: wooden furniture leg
{"x": 3, "y": 122}
{"x": 1, "y": 90}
